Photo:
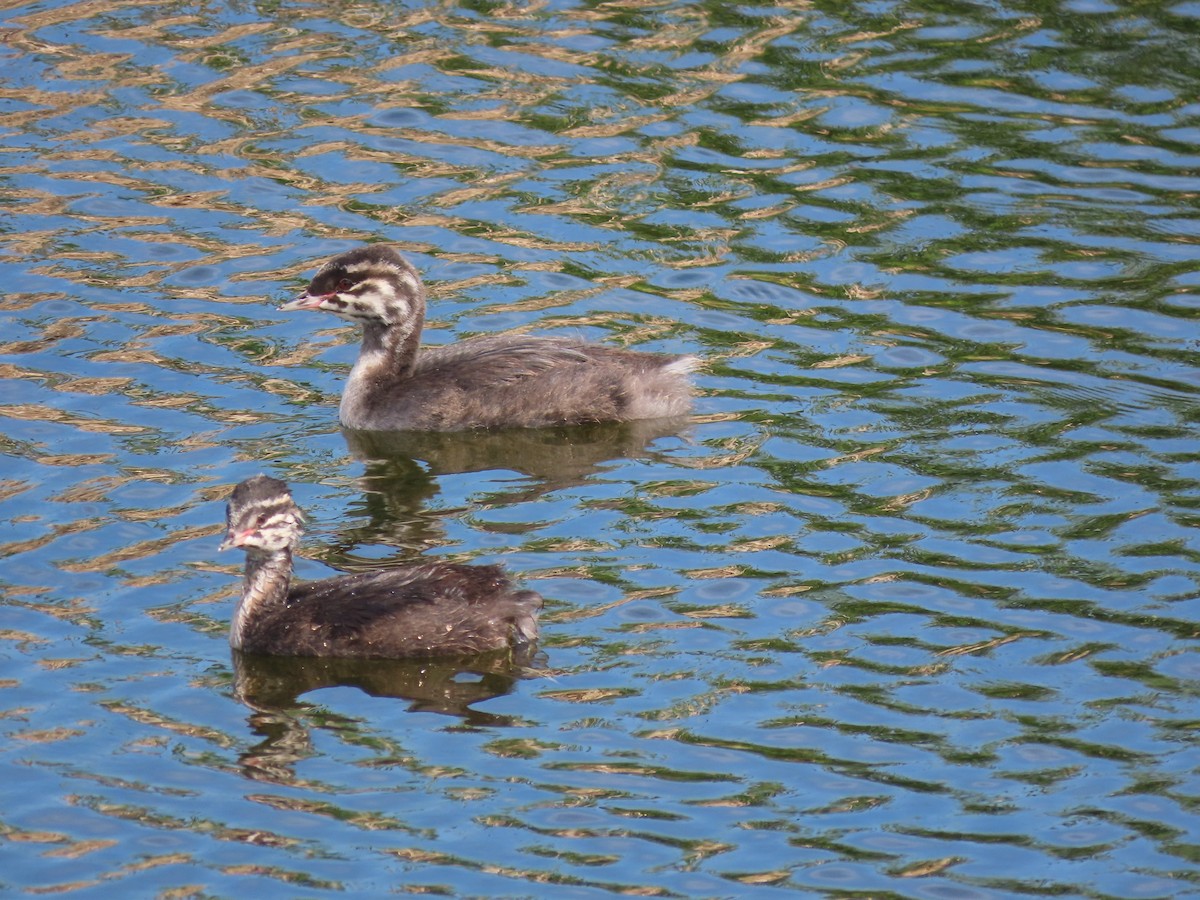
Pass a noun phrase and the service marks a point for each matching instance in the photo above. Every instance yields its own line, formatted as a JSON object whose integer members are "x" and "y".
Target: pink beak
{"x": 235, "y": 539}
{"x": 304, "y": 301}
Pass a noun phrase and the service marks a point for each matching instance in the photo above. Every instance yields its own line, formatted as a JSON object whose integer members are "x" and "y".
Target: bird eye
{"x": 345, "y": 284}
{"x": 261, "y": 521}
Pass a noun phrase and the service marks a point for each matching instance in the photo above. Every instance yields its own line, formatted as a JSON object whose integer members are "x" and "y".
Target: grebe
{"x": 502, "y": 381}
{"x": 427, "y": 609}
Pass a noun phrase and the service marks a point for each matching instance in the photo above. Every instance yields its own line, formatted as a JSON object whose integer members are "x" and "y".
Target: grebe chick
{"x": 502, "y": 381}
{"x": 428, "y": 609}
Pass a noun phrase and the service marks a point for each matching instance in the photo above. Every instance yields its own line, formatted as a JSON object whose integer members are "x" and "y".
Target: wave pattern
{"x": 908, "y": 609}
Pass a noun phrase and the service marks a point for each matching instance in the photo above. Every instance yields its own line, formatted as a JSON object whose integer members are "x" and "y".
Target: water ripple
{"x": 908, "y": 607}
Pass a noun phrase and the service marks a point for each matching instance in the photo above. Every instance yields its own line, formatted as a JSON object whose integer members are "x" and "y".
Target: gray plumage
{"x": 428, "y": 609}
{"x": 501, "y": 381}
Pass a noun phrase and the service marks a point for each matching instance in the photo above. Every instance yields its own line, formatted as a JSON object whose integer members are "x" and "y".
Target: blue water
{"x": 906, "y": 609}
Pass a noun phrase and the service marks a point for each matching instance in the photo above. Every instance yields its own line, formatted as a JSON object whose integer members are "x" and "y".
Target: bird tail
{"x": 524, "y": 620}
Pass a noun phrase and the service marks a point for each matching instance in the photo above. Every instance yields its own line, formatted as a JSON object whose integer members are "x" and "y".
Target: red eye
{"x": 344, "y": 285}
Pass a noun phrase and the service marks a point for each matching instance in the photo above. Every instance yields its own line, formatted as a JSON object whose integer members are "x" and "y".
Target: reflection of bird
{"x": 403, "y": 471}
{"x": 487, "y": 382}
{"x": 428, "y": 609}
{"x": 273, "y": 688}
{"x": 556, "y": 457}
{"x": 450, "y": 685}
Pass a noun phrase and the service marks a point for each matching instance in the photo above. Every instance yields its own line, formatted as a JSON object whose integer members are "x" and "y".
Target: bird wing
{"x": 502, "y": 358}
{"x": 355, "y": 604}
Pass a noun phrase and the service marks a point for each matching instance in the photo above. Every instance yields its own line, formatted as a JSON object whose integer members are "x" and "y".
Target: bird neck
{"x": 392, "y": 347}
{"x": 265, "y": 587}
{"x": 387, "y": 358}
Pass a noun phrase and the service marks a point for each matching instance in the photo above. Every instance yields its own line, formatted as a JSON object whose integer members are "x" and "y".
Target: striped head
{"x": 262, "y": 517}
{"x": 369, "y": 285}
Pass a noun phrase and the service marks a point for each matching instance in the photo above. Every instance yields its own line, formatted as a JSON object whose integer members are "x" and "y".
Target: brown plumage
{"x": 501, "y": 381}
{"x": 428, "y": 609}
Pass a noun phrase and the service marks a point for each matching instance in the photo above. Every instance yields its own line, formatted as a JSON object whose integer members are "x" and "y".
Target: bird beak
{"x": 232, "y": 539}
{"x": 304, "y": 301}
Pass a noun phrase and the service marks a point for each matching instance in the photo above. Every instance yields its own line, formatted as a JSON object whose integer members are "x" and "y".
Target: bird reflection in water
{"x": 401, "y": 469}
{"x": 272, "y": 688}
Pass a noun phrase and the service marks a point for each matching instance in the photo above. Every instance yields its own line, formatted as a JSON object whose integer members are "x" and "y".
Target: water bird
{"x": 421, "y": 610}
{"x": 497, "y": 381}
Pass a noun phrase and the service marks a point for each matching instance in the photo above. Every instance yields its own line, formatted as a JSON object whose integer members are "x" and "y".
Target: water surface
{"x": 907, "y": 609}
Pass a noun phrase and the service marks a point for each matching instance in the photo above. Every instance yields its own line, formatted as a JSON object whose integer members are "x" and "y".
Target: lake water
{"x": 907, "y": 609}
